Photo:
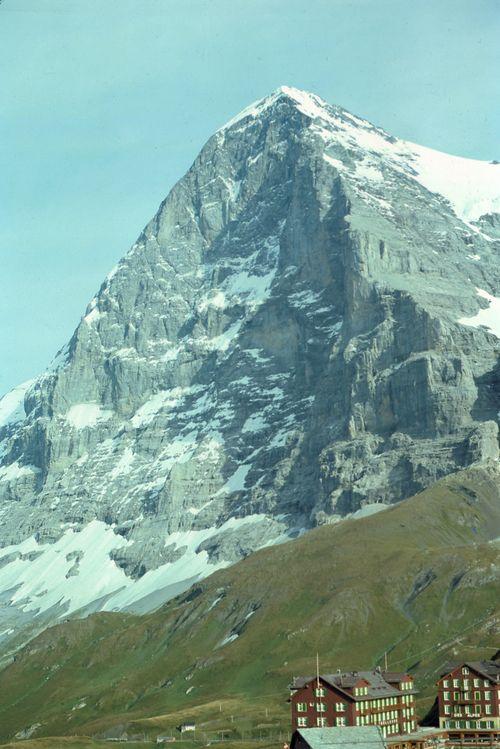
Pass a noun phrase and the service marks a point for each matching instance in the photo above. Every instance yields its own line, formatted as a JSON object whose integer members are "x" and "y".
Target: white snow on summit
{"x": 472, "y": 187}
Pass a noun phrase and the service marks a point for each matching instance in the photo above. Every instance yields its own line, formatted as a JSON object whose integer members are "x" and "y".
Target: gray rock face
{"x": 296, "y": 333}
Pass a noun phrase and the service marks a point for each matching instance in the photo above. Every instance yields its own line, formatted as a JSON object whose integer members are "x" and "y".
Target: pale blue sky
{"x": 105, "y": 104}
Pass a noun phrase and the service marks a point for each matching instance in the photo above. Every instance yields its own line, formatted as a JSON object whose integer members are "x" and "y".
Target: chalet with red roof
{"x": 355, "y": 698}
{"x": 469, "y": 695}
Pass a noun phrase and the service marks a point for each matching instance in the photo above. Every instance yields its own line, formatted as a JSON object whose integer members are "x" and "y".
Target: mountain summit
{"x": 308, "y": 327}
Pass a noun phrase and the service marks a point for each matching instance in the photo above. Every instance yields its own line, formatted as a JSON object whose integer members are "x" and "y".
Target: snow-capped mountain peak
{"x": 471, "y": 186}
{"x": 294, "y": 335}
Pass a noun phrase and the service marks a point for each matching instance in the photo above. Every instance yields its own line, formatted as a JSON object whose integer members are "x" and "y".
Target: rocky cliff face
{"x": 308, "y": 325}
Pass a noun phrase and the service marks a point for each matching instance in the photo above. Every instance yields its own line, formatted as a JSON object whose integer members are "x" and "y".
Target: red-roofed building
{"x": 469, "y": 695}
{"x": 355, "y": 698}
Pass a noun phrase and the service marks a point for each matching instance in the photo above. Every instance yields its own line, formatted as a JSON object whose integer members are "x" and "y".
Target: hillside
{"x": 419, "y": 580}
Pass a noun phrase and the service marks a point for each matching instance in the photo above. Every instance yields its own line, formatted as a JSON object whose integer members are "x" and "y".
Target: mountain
{"x": 418, "y": 581}
{"x": 307, "y": 328}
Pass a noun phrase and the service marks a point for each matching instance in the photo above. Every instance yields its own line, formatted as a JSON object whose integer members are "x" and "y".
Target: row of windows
{"x": 468, "y": 724}
{"x": 385, "y": 702}
{"x": 360, "y": 690}
{"x": 408, "y": 711}
{"x": 303, "y": 722}
{"x": 366, "y": 720}
{"x": 469, "y": 710}
{"x": 321, "y": 707}
{"x": 409, "y": 725}
{"x": 486, "y": 696}
{"x": 341, "y": 707}
{"x": 466, "y": 683}
{"x": 406, "y": 685}
{"x": 361, "y": 706}
{"x": 378, "y": 718}
{"x": 390, "y": 730}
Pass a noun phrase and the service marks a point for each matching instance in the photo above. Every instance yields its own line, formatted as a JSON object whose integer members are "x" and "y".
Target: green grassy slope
{"x": 419, "y": 580}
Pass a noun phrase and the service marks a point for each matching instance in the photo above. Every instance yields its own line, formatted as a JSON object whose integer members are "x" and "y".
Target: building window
{"x": 487, "y": 695}
{"x": 488, "y": 709}
{"x": 302, "y": 722}
{"x": 302, "y": 707}
{"x": 321, "y": 722}
{"x": 456, "y": 682}
{"x": 456, "y": 695}
{"x": 446, "y": 683}
{"x": 319, "y": 692}
{"x": 486, "y": 683}
{"x": 465, "y": 670}
{"x": 477, "y": 682}
{"x": 446, "y": 695}
{"x": 477, "y": 695}
{"x": 340, "y": 721}
{"x": 447, "y": 709}
{"x": 341, "y": 707}
{"x": 320, "y": 707}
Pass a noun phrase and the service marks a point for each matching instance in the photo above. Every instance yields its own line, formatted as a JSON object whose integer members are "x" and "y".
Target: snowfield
{"x": 77, "y": 569}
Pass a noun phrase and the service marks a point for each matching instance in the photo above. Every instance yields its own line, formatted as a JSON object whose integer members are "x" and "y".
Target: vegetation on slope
{"x": 418, "y": 581}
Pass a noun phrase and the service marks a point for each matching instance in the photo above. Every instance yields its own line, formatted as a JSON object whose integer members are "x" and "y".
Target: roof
{"x": 357, "y": 737}
{"x": 378, "y": 685}
{"x": 487, "y": 669}
{"x": 392, "y": 676}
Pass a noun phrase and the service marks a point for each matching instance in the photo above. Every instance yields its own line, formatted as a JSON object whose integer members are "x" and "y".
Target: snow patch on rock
{"x": 488, "y": 317}
{"x": 12, "y": 404}
{"x": 87, "y": 415}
